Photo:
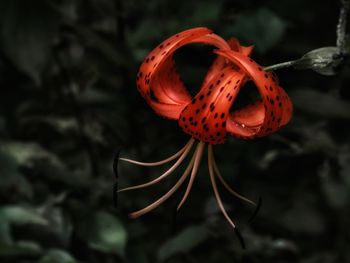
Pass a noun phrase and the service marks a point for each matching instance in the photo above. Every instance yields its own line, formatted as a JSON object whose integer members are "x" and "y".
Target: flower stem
{"x": 280, "y": 65}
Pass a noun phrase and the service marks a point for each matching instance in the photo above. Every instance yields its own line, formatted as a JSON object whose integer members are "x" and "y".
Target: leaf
{"x": 183, "y": 242}
{"x": 26, "y": 153}
{"x": 105, "y": 233}
{"x": 26, "y": 31}
{"x": 15, "y": 185}
{"x": 20, "y": 248}
{"x": 320, "y": 104}
{"x": 263, "y": 29}
{"x": 303, "y": 217}
{"x": 57, "y": 256}
{"x": 5, "y": 236}
{"x": 21, "y": 215}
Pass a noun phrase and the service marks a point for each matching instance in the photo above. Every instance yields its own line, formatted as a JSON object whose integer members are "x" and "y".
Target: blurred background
{"x": 68, "y": 102}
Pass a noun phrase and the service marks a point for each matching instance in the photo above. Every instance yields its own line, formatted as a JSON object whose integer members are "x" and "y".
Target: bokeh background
{"x": 68, "y": 102}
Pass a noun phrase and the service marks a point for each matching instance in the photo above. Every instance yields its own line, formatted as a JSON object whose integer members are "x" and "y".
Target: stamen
{"x": 165, "y": 174}
{"x": 197, "y": 161}
{"x": 256, "y": 210}
{"x": 168, "y": 194}
{"x": 228, "y": 188}
{"x": 169, "y": 159}
{"x": 216, "y": 192}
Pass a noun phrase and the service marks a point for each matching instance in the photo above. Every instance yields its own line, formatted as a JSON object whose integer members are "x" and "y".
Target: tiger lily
{"x": 206, "y": 117}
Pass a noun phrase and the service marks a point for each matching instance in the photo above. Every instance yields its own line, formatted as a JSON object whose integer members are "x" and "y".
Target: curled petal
{"x": 158, "y": 81}
{"x": 265, "y": 116}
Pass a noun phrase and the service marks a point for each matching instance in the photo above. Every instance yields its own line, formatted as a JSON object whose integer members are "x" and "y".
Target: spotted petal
{"x": 265, "y": 116}
{"x": 158, "y": 81}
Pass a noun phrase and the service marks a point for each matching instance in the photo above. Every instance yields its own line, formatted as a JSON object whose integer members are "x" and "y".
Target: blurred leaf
{"x": 207, "y": 12}
{"x": 57, "y": 256}
{"x": 137, "y": 254}
{"x": 335, "y": 191}
{"x": 59, "y": 227}
{"x": 320, "y": 104}
{"x": 183, "y": 242}
{"x": 14, "y": 184}
{"x": 20, "y": 248}
{"x": 61, "y": 125}
{"x": 91, "y": 39}
{"x": 2, "y": 125}
{"x": 344, "y": 163}
{"x": 5, "y": 236}
{"x": 26, "y": 153}
{"x": 105, "y": 233}
{"x": 263, "y": 29}
{"x": 304, "y": 217}
{"x": 21, "y": 215}
{"x": 26, "y": 31}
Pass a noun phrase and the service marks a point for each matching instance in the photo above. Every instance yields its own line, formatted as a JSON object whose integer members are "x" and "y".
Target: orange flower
{"x": 206, "y": 116}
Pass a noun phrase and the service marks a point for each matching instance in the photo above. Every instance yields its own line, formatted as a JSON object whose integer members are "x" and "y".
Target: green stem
{"x": 280, "y": 65}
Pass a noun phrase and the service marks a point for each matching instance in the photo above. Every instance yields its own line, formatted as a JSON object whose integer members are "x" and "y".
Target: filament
{"x": 185, "y": 152}
{"x": 169, "y": 159}
{"x": 216, "y": 192}
{"x": 197, "y": 161}
{"x": 169, "y": 193}
{"x": 228, "y": 188}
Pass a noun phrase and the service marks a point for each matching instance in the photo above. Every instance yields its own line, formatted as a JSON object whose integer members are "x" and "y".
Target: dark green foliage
{"x": 68, "y": 102}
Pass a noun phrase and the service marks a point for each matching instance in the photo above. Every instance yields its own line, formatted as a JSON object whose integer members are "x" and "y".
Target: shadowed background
{"x": 68, "y": 102}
